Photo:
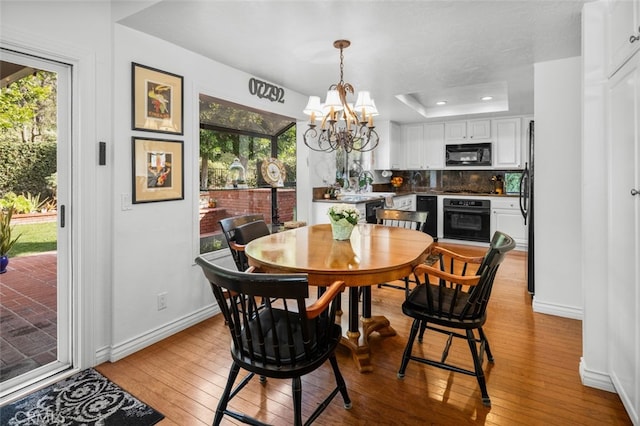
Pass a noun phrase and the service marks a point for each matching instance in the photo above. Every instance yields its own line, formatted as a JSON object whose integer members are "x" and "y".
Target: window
{"x": 234, "y": 143}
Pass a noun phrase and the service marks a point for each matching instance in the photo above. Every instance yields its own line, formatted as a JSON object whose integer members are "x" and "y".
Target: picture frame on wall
{"x": 158, "y": 170}
{"x": 157, "y": 100}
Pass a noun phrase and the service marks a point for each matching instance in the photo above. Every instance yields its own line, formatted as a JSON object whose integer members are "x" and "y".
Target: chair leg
{"x": 487, "y": 349}
{"x": 406, "y": 287}
{"x": 471, "y": 339}
{"x": 407, "y": 350}
{"x": 423, "y": 328}
{"x": 224, "y": 399}
{"x": 342, "y": 386}
{"x": 296, "y": 387}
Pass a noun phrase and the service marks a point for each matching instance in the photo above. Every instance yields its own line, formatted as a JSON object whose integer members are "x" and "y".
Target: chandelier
{"x": 343, "y": 125}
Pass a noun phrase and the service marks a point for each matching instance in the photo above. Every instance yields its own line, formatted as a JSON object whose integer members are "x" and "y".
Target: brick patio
{"x": 28, "y": 314}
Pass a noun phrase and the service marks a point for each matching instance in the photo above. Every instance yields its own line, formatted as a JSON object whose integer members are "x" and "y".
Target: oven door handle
{"x": 454, "y": 210}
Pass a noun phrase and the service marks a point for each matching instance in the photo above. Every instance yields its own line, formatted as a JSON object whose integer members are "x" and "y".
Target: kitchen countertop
{"x": 371, "y": 196}
{"x": 466, "y": 194}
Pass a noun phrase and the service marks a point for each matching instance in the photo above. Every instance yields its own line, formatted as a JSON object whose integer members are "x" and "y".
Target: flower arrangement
{"x": 349, "y": 213}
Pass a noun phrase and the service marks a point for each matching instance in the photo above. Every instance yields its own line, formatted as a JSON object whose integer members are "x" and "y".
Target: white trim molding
{"x": 137, "y": 343}
{"x": 595, "y": 379}
{"x": 557, "y": 310}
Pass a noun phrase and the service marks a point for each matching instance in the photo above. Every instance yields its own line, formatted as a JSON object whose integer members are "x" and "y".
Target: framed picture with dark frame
{"x": 158, "y": 170}
{"x": 157, "y": 100}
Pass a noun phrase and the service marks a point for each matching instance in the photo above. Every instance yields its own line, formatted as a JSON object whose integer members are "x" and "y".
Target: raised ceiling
{"x": 409, "y": 54}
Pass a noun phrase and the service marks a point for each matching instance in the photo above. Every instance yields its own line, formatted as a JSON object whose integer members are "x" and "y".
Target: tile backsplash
{"x": 479, "y": 181}
{"x": 471, "y": 180}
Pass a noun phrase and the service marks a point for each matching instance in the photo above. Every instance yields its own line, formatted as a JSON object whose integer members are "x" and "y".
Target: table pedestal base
{"x": 358, "y": 342}
{"x": 357, "y": 336}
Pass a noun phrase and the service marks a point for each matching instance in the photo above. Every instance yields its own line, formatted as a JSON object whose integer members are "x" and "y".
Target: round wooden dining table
{"x": 374, "y": 254}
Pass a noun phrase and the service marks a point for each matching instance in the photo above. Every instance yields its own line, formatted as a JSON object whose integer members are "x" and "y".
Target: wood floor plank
{"x": 534, "y": 380}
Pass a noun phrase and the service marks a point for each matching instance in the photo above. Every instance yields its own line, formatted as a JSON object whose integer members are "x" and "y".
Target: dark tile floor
{"x": 28, "y": 314}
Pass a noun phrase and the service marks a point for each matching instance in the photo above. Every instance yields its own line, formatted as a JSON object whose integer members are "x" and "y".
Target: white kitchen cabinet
{"x": 506, "y": 217}
{"x": 405, "y": 202}
{"x": 478, "y": 130}
{"x": 362, "y": 210}
{"x": 422, "y": 145}
{"x": 414, "y": 147}
{"x": 507, "y": 147}
{"x": 468, "y": 131}
{"x": 433, "y": 146}
{"x": 320, "y": 212}
{"x": 455, "y": 131}
{"x": 624, "y": 232}
{"x": 385, "y": 156}
{"x": 624, "y": 31}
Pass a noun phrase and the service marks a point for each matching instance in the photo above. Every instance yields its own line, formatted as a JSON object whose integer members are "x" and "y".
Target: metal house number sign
{"x": 265, "y": 90}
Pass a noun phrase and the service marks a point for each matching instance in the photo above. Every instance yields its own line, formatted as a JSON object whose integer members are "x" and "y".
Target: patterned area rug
{"x": 86, "y": 398}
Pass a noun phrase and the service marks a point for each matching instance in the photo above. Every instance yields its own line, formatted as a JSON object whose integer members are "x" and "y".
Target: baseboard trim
{"x": 627, "y": 401}
{"x": 595, "y": 379}
{"x": 557, "y": 310}
{"x": 135, "y": 344}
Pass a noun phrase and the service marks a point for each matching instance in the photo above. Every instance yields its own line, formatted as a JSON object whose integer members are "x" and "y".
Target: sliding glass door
{"x": 35, "y": 126}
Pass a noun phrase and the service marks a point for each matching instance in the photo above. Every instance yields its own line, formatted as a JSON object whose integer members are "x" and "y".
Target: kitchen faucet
{"x": 416, "y": 178}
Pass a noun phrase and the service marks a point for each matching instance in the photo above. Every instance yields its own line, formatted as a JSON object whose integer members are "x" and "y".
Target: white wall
{"x": 123, "y": 259}
{"x": 558, "y": 188}
{"x": 155, "y": 243}
{"x": 594, "y": 369}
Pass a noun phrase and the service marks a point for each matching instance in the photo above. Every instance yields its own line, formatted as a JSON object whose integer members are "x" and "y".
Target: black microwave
{"x": 469, "y": 154}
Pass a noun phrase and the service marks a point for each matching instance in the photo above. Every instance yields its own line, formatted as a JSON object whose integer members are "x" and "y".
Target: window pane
{"x": 232, "y": 184}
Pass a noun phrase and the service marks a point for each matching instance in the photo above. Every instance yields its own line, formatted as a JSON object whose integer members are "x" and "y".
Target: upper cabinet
{"x": 385, "y": 156}
{"x": 434, "y": 146}
{"x": 624, "y": 31}
{"x": 467, "y": 131}
{"x": 507, "y": 147}
{"x": 422, "y": 145}
{"x": 414, "y": 152}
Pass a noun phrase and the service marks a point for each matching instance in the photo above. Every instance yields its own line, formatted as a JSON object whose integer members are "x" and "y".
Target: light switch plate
{"x": 126, "y": 201}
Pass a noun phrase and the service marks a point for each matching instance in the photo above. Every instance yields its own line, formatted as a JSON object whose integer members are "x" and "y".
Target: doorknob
{"x": 634, "y": 191}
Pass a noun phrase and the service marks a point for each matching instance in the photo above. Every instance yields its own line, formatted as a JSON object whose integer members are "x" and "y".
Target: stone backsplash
{"x": 476, "y": 181}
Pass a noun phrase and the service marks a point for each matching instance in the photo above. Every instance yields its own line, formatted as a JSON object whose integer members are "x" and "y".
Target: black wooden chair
{"x": 451, "y": 297}
{"x": 402, "y": 219}
{"x": 275, "y": 334}
{"x": 253, "y": 226}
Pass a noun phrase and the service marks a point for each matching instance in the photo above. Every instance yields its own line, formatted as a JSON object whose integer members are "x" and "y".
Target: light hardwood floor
{"x": 534, "y": 380}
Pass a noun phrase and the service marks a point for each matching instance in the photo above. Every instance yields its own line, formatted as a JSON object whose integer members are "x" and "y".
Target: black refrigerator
{"x": 526, "y": 208}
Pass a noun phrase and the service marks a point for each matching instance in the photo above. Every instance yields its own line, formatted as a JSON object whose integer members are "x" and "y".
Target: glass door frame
{"x": 65, "y": 290}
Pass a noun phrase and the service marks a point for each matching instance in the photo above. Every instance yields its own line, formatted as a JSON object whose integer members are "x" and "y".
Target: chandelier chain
{"x": 341, "y": 67}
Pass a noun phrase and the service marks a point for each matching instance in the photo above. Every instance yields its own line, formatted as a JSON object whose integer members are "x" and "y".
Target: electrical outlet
{"x": 162, "y": 301}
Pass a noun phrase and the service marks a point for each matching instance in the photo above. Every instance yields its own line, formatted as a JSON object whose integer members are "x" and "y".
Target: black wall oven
{"x": 466, "y": 219}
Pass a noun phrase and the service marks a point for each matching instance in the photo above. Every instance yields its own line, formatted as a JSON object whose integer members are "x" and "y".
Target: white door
{"x": 61, "y": 353}
{"x": 624, "y": 226}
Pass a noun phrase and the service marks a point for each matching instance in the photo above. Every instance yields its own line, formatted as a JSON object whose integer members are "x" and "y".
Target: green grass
{"x": 35, "y": 238}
